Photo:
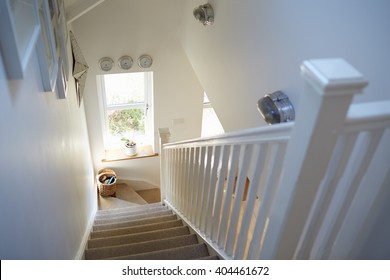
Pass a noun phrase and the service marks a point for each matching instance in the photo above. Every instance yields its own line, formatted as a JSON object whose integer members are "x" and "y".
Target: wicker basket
{"x": 106, "y": 189}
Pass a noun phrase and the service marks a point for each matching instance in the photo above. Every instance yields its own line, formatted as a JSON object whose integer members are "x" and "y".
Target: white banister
{"x": 358, "y": 174}
{"x": 206, "y": 180}
{"x": 292, "y": 190}
{"x": 330, "y": 86}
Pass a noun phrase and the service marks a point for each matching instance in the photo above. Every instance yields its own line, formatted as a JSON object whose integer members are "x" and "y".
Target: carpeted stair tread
{"x": 143, "y": 232}
{"x": 137, "y": 237}
{"x": 136, "y": 229}
{"x": 143, "y": 221}
{"x": 189, "y": 252}
{"x": 132, "y": 217}
{"x": 138, "y": 248}
{"x": 127, "y": 209}
{"x": 126, "y": 214}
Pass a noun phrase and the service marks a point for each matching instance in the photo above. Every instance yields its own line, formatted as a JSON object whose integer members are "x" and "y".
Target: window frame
{"x": 147, "y": 105}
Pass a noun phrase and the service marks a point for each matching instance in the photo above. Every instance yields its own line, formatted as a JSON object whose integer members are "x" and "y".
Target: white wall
{"x": 116, "y": 28}
{"x": 47, "y": 193}
{"x": 256, "y": 47}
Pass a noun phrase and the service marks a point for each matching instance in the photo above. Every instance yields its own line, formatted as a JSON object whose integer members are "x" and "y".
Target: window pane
{"x": 205, "y": 98}
{"x": 210, "y": 123}
{"x": 124, "y": 88}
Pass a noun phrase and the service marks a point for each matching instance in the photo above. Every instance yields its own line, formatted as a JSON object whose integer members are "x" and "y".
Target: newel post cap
{"x": 333, "y": 76}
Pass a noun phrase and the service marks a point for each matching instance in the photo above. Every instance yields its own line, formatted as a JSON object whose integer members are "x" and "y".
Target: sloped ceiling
{"x": 77, "y": 8}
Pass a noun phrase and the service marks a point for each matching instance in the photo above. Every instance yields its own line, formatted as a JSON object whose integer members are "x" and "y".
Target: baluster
{"x": 167, "y": 175}
{"x": 182, "y": 179}
{"x": 172, "y": 174}
{"x": 168, "y": 187}
{"x": 266, "y": 200}
{"x": 212, "y": 190}
{"x": 365, "y": 154}
{"x": 195, "y": 184}
{"x": 183, "y": 184}
{"x": 177, "y": 177}
{"x": 163, "y": 175}
{"x": 216, "y": 221}
{"x": 200, "y": 186}
{"x": 174, "y": 171}
{"x": 206, "y": 187}
{"x": 188, "y": 182}
{"x": 244, "y": 162}
{"x": 373, "y": 194}
{"x": 260, "y": 159}
{"x": 337, "y": 166}
{"x": 233, "y": 163}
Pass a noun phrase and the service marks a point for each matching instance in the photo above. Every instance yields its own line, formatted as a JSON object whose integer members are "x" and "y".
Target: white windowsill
{"x": 119, "y": 154}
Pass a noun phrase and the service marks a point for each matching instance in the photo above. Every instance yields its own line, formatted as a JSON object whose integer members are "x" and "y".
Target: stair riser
{"x": 128, "y": 209}
{"x": 125, "y": 250}
{"x": 136, "y": 229}
{"x": 132, "y": 217}
{"x": 142, "y": 221}
{"x": 100, "y": 216}
{"x": 139, "y": 237}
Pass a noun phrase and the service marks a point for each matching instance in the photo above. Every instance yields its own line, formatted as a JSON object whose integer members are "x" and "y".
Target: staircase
{"x": 144, "y": 232}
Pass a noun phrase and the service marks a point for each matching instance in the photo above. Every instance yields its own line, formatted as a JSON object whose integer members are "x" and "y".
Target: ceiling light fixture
{"x": 205, "y": 14}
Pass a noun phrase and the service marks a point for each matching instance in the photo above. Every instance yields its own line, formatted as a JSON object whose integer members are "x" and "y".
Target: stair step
{"x": 143, "y": 221}
{"x": 127, "y": 209}
{"x": 136, "y": 229}
{"x": 189, "y": 252}
{"x": 138, "y": 248}
{"x": 132, "y": 217}
{"x": 130, "y": 213}
{"x": 137, "y": 237}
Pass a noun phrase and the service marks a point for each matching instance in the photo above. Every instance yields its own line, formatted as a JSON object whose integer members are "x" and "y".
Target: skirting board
{"x": 84, "y": 241}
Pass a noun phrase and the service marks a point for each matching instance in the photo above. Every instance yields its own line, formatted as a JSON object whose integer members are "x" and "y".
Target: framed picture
{"x": 19, "y": 31}
{"x": 62, "y": 83}
{"x": 62, "y": 30}
{"x": 46, "y": 48}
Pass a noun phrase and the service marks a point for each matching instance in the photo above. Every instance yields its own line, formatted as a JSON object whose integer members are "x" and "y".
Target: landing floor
{"x": 126, "y": 196}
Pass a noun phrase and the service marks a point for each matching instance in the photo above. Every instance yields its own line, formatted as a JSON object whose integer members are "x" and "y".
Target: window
{"x": 210, "y": 122}
{"x": 126, "y": 101}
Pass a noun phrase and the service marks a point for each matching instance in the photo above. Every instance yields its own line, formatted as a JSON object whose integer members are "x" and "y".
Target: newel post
{"x": 330, "y": 85}
{"x": 164, "y": 135}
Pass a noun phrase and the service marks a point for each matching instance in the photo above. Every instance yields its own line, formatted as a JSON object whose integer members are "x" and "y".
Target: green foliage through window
{"x": 126, "y": 120}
